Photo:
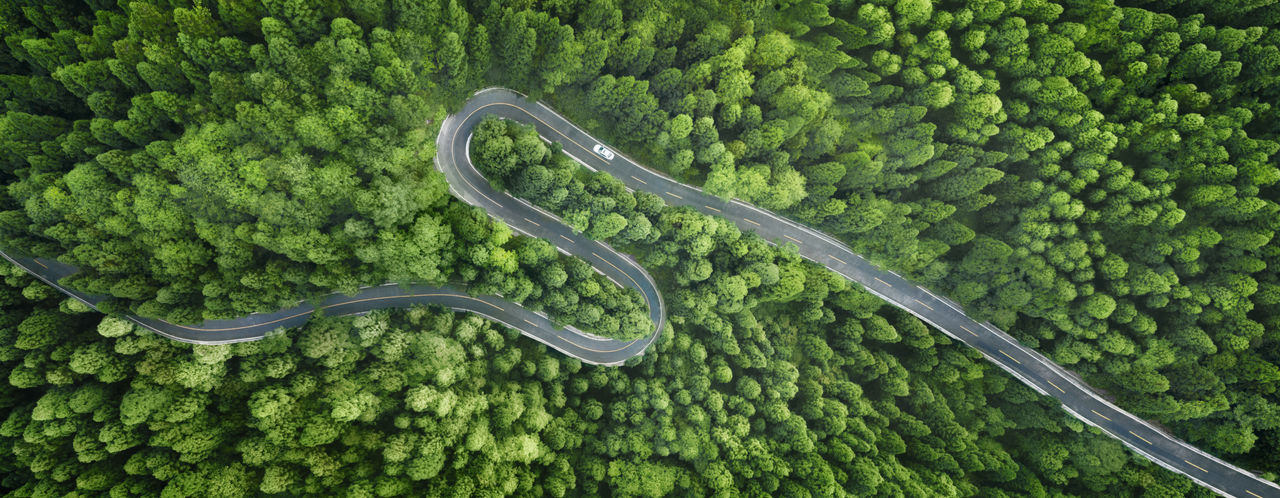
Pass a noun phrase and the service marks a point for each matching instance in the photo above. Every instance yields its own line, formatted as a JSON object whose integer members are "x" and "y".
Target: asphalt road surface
{"x": 1027, "y": 365}
{"x": 259, "y": 325}
{"x": 465, "y": 181}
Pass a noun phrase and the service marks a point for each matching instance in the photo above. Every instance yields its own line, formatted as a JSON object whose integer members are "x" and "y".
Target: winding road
{"x": 453, "y": 158}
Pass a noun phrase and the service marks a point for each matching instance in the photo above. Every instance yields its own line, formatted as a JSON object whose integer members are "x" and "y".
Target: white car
{"x": 605, "y": 153}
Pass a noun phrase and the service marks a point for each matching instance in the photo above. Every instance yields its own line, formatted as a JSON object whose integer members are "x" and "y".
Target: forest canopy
{"x": 1098, "y": 178}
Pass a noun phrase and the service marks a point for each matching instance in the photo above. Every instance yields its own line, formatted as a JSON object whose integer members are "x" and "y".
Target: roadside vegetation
{"x": 797, "y": 385}
{"x": 196, "y": 167}
{"x": 1098, "y": 179}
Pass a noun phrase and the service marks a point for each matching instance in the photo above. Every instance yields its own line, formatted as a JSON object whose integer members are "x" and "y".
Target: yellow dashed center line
{"x": 966, "y": 329}
{"x": 1202, "y": 469}
{"x": 566, "y": 238}
{"x": 1006, "y": 355}
{"x": 887, "y": 284}
{"x": 793, "y": 239}
{"x": 673, "y": 195}
{"x": 633, "y": 177}
{"x": 749, "y": 220}
{"x": 1142, "y": 438}
{"x": 526, "y": 320}
{"x": 531, "y": 221}
{"x": 713, "y": 209}
{"x": 837, "y": 259}
{"x": 41, "y": 264}
{"x": 1104, "y": 417}
{"x": 931, "y": 309}
{"x": 1252, "y": 493}
{"x": 1055, "y": 386}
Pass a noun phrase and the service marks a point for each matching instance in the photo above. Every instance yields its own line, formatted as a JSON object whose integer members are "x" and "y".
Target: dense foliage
{"x": 194, "y": 168}
{"x": 1099, "y": 179}
{"x": 840, "y": 394}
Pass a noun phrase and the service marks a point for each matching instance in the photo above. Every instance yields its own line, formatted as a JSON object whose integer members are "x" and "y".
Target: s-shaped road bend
{"x": 453, "y": 158}
{"x": 1027, "y": 365}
